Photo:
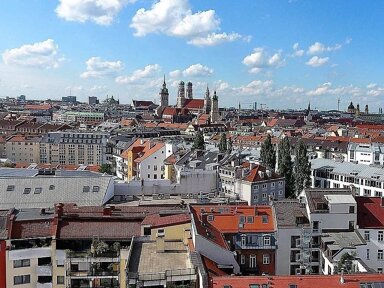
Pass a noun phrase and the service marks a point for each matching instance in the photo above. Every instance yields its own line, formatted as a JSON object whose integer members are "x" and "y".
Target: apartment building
{"x": 370, "y": 221}
{"x": 74, "y": 246}
{"x": 260, "y": 185}
{"x": 74, "y": 148}
{"x": 239, "y": 239}
{"x": 298, "y": 251}
{"x": 78, "y": 116}
{"x": 19, "y": 148}
{"x": 362, "y": 179}
{"x": 366, "y": 153}
{"x": 144, "y": 160}
{"x": 332, "y": 216}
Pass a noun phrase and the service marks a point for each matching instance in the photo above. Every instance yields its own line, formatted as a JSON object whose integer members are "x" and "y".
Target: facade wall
{"x": 3, "y": 268}
{"x": 174, "y": 232}
{"x": 153, "y": 167}
{"x": 24, "y": 151}
{"x": 259, "y": 193}
{"x": 370, "y": 253}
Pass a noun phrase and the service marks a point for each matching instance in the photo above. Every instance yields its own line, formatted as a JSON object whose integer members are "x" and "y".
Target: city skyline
{"x": 256, "y": 51}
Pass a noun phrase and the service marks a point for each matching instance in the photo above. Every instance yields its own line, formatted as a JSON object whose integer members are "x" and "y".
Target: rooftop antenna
{"x": 338, "y": 104}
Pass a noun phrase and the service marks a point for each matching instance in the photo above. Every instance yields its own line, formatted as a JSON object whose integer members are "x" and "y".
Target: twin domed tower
{"x": 185, "y": 100}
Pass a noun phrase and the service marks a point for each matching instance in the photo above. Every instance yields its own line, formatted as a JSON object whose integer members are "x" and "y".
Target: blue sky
{"x": 282, "y": 53}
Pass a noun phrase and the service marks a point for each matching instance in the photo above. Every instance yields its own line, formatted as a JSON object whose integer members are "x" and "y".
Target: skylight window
{"x": 86, "y": 189}
{"x": 27, "y": 190}
{"x": 51, "y": 187}
{"x": 38, "y": 190}
{"x": 11, "y": 188}
{"x": 95, "y": 189}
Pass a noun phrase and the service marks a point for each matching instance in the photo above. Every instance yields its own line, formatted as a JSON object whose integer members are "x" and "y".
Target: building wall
{"x": 373, "y": 245}
{"x": 23, "y": 151}
{"x": 153, "y": 167}
{"x": 3, "y": 268}
{"x": 261, "y": 192}
{"x": 174, "y": 232}
{"x": 283, "y": 252}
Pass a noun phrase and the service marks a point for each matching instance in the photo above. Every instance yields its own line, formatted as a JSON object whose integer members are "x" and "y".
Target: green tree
{"x": 285, "y": 166}
{"x": 302, "y": 167}
{"x": 223, "y": 147}
{"x": 267, "y": 153}
{"x": 199, "y": 141}
{"x": 106, "y": 168}
{"x": 230, "y": 144}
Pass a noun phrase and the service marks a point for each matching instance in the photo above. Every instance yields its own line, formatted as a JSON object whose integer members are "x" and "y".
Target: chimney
{"x": 59, "y": 209}
{"x": 160, "y": 244}
{"x": 268, "y": 172}
{"x": 342, "y": 280}
{"x": 141, "y": 141}
{"x": 107, "y": 211}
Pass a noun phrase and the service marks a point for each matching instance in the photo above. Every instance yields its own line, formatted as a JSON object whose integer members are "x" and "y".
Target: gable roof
{"x": 194, "y": 104}
{"x": 370, "y": 212}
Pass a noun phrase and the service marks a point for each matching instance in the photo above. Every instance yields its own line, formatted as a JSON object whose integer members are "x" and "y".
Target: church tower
{"x": 366, "y": 110}
{"x": 214, "y": 108}
{"x": 189, "y": 90}
{"x": 164, "y": 95}
{"x": 181, "y": 95}
{"x": 207, "y": 102}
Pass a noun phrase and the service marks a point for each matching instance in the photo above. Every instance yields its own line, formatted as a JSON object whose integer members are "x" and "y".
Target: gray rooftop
{"x": 349, "y": 169}
{"x": 287, "y": 212}
{"x": 18, "y": 172}
{"x": 342, "y": 240}
{"x": 44, "y": 192}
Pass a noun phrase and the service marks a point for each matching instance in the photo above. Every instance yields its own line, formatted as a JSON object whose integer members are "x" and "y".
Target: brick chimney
{"x": 59, "y": 209}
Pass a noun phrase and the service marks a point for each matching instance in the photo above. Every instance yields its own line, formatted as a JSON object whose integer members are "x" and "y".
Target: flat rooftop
{"x": 145, "y": 259}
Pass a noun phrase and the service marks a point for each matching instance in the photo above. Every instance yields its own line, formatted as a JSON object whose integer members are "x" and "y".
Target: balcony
{"x": 44, "y": 285}
{"x": 92, "y": 274}
{"x": 45, "y": 270}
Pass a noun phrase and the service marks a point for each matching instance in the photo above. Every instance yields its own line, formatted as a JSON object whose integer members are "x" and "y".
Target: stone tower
{"x": 189, "y": 90}
{"x": 164, "y": 95}
{"x": 181, "y": 95}
{"x": 207, "y": 102}
{"x": 214, "y": 108}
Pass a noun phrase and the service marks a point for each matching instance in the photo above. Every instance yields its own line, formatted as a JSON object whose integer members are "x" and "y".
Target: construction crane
{"x": 248, "y": 104}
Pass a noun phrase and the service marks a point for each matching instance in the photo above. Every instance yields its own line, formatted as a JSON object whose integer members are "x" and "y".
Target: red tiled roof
{"x": 370, "y": 212}
{"x": 31, "y": 229}
{"x": 155, "y": 220}
{"x": 37, "y": 106}
{"x": 148, "y": 151}
{"x": 254, "y": 174}
{"x": 302, "y": 281}
{"x": 112, "y": 229}
{"x": 212, "y": 268}
{"x": 194, "y": 104}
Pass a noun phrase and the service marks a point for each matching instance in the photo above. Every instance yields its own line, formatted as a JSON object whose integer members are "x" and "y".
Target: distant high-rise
{"x": 92, "y": 100}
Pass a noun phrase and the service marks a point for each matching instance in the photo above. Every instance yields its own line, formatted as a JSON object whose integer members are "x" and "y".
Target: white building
{"x": 370, "y": 220}
{"x": 366, "y": 153}
{"x": 362, "y": 179}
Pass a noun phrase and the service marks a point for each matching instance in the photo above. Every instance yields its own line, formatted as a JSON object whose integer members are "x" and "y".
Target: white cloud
{"x": 175, "y": 74}
{"x": 101, "y": 12}
{"x": 371, "y": 85}
{"x": 137, "y": 76}
{"x": 316, "y": 61}
{"x": 214, "y": 39}
{"x": 197, "y": 70}
{"x": 38, "y": 55}
{"x": 261, "y": 59}
{"x": 98, "y": 68}
{"x": 321, "y": 90}
{"x": 296, "y": 51}
{"x": 318, "y": 48}
{"x": 175, "y": 18}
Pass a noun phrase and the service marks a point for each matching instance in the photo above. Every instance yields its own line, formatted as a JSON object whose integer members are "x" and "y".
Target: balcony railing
{"x": 45, "y": 270}
{"x": 96, "y": 273}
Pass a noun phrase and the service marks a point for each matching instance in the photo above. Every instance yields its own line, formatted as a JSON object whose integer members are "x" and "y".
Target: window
{"x": 60, "y": 280}
{"x": 380, "y": 270}
{"x": 264, "y": 186}
{"x": 267, "y": 241}
{"x": 273, "y": 184}
{"x": 149, "y": 166}
{"x": 264, "y": 195}
{"x": 379, "y": 254}
{"x": 266, "y": 259}
{"x": 95, "y": 189}
{"x": 154, "y": 167}
{"x": 211, "y": 217}
{"x": 351, "y": 209}
{"x": 242, "y": 259}
{"x": 27, "y": 190}
{"x": 243, "y": 240}
{"x": 242, "y": 219}
{"x": 149, "y": 176}
{"x": 38, "y": 190}
{"x": 264, "y": 219}
{"x": 86, "y": 189}
{"x": 252, "y": 261}
{"x": 367, "y": 254}
{"x": 254, "y": 286}
{"x": 10, "y": 188}
{"x": 21, "y": 263}
{"x": 292, "y": 286}
{"x": 280, "y": 192}
{"x": 154, "y": 176}
{"x": 51, "y": 187}
{"x": 250, "y": 219}
{"x": 22, "y": 279}
{"x": 366, "y": 235}
{"x": 380, "y": 236}
{"x": 160, "y": 232}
